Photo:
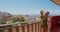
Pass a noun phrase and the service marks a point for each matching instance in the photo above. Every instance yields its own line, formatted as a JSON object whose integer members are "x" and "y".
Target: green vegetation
{"x": 14, "y": 20}
{"x": 21, "y": 19}
{"x": 3, "y": 20}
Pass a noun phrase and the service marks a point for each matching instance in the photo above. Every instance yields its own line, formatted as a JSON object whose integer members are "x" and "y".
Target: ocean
{"x": 40, "y": 15}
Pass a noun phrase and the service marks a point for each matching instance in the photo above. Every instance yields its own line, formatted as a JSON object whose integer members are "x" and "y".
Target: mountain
{"x": 2, "y": 14}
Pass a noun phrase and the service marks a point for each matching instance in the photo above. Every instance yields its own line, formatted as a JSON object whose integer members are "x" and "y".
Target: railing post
{"x": 23, "y": 29}
{"x": 27, "y": 28}
{"x": 17, "y": 29}
{"x": 32, "y": 27}
{"x": 38, "y": 26}
{"x": 20, "y": 28}
{"x": 35, "y": 28}
{"x": 1, "y": 30}
{"x": 9, "y": 29}
{"x": 13, "y": 29}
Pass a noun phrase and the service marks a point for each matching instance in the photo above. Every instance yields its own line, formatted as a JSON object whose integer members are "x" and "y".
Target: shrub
{"x": 14, "y": 20}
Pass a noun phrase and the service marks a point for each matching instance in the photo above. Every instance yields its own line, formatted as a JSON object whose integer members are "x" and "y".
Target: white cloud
{"x": 29, "y": 12}
{"x": 57, "y": 12}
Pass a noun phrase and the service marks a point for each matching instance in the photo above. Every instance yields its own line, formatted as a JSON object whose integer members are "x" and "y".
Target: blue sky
{"x": 28, "y": 6}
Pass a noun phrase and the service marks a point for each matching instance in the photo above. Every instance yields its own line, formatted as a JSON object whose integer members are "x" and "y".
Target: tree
{"x": 21, "y": 19}
{"x": 14, "y": 20}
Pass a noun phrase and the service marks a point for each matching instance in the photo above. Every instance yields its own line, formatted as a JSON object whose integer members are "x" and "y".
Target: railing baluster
{"x": 35, "y": 28}
{"x": 20, "y": 29}
{"x": 1, "y": 31}
{"x": 17, "y": 29}
{"x": 9, "y": 29}
{"x": 27, "y": 28}
{"x": 38, "y": 26}
{"x": 13, "y": 29}
{"x": 40, "y": 29}
{"x": 6, "y": 30}
{"x": 23, "y": 29}
{"x": 32, "y": 27}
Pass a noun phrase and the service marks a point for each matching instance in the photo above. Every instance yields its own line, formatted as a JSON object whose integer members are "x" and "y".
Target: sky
{"x": 29, "y": 7}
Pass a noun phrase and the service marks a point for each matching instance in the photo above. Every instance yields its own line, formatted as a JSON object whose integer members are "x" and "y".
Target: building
{"x": 5, "y": 15}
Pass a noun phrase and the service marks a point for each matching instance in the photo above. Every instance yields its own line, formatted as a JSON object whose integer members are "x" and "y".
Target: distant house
{"x": 4, "y": 14}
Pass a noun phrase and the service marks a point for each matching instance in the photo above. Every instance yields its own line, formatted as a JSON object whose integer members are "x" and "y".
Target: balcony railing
{"x": 29, "y": 27}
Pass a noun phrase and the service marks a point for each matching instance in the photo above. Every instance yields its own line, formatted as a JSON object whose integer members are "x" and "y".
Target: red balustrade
{"x": 35, "y": 27}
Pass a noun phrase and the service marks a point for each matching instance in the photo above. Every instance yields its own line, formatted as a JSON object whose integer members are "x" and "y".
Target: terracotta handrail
{"x": 13, "y": 23}
{"x": 18, "y": 23}
{"x": 33, "y": 27}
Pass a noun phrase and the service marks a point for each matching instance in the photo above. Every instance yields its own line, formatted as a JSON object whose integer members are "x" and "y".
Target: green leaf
{"x": 14, "y": 20}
